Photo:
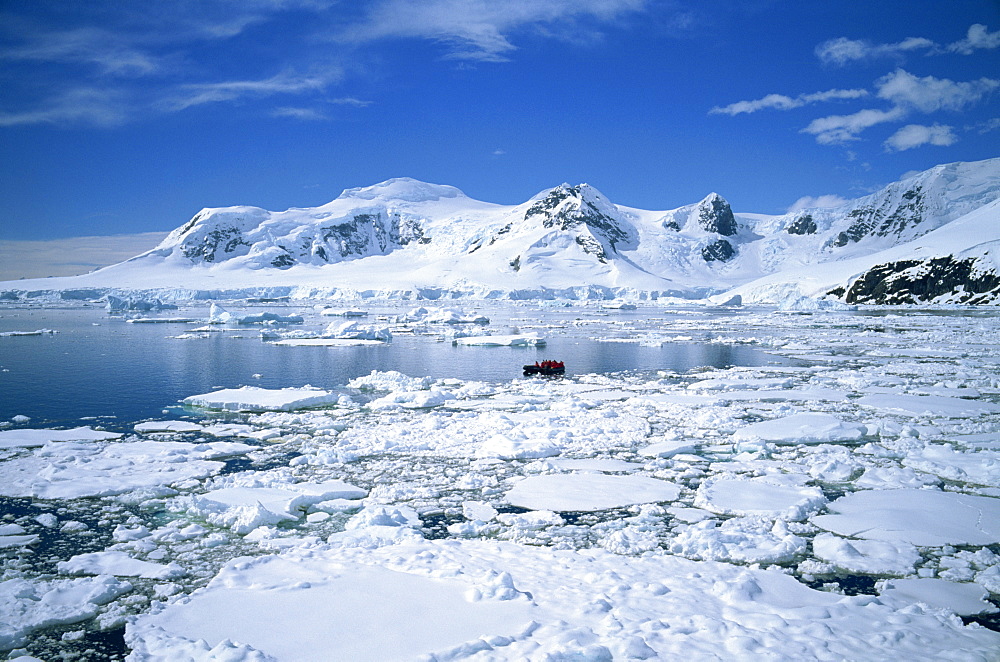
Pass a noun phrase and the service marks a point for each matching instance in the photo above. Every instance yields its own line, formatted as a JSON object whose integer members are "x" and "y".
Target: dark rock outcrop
{"x": 924, "y": 281}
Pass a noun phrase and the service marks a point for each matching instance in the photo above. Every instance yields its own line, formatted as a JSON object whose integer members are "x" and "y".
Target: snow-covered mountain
{"x": 406, "y": 238}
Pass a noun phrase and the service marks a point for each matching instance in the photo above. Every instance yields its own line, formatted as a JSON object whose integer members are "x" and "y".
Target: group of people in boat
{"x": 550, "y": 365}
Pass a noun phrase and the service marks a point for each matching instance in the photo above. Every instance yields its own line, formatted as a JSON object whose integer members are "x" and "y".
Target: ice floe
{"x": 31, "y": 438}
{"x": 254, "y": 398}
{"x": 588, "y": 491}
{"x": 770, "y": 496}
{"x": 808, "y": 428}
{"x": 919, "y": 517}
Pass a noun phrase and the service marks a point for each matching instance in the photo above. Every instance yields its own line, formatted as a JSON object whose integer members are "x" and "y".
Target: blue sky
{"x": 130, "y": 117}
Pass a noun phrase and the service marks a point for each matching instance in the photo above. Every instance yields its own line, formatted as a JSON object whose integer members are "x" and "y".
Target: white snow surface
{"x": 254, "y": 398}
{"x": 588, "y": 491}
{"x": 31, "y": 438}
{"x": 568, "y": 241}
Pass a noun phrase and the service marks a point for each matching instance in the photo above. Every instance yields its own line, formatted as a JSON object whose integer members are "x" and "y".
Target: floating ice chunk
{"x": 509, "y": 448}
{"x": 228, "y": 430}
{"x": 30, "y": 438}
{"x": 167, "y": 426}
{"x": 477, "y": 510}
{"x": 595, "y": 464}
{"x": 928, "y": 405}
{"x": 269, "y": 318}
{"x": 588, "y": 492}
{"x": 356, "y": 331}
{"x": 807, "y": 428}
{"x": 28, "y": 606}
{"x": 384, "y": 516}
{"x": 118, "y": 564}
{"x": 343, "y": 312}
{"x": 245, "y": 508}
{"x": 390, "y": 380}
{"x": 413, "y": 399}
{"x": 14, "y": 535}
{"x": 668, "y": 448}
{"x": 759, "y": 496}
{"x": 797, "y": 302}
{"x": 370, "y": 613}
{"x": 892, "y": 478}
{"x": 980, "y": 467}
{"x": 219, "y": 315}
{"x": 528, "y": 340}
{"x": 875, "y": 557}
{"x": 963, "y": 599}
{"x": 71, "y": 470}
{"x": 254, "y": 398}
{"x": 740, "y": 540}
{"x": 327, "y": 342}
{"x": 723, "y": 384}
{"x": 161, "y": 320}
{"x": 919, "y": 517}
{"x": 38, "y": 332}
{"x": 120, "y": 305}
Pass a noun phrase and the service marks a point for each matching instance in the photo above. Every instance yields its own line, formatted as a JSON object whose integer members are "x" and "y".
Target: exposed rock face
{"x": 802, "y": 225}
{"x": 715, "y": 215}
{"x": 944, "y": 279}
{"x": 885, "y": 217}
{"x": 595, "y": 223}
{"x": 719, "y": 250}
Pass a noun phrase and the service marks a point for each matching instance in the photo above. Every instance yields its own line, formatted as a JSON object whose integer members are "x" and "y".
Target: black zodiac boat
{"x": 545, "y": 368}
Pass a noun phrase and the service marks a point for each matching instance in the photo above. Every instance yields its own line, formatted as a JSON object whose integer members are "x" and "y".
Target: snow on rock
{"x": 805, "y": 428}
{"x": 919, "y": 517}
{"x": 72, "y": 470}
{"x": 875, "y": 557}
{"x": 31, "y": 438}
{"x": 28, "y": 606}
{"x": 588, "y": 492}
{"x": 963, "y": 599}
{"x": 769, "y": 496}
{"x": 254, "y": 398}
{"x": 118, "y": 564}
{"x": 460, "y": 599}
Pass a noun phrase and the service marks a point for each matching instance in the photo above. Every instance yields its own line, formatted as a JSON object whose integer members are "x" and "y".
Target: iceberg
{"x": 254, "y": 398}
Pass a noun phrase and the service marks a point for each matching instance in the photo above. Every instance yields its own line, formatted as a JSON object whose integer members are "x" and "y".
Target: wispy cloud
{"x": 92, "y": 106}
{"x": 782, "y": 102}
{"x": 196, "y": 94}
{"x": 480, "y": 30}
{"x": 929, "y": 94}
{"x": 915, "y": 135}
{"x": 837, "y": 129}
{"x": 86, "y": 46}
{"x": 815, "y": 202}
{"x": 841, "y": 51}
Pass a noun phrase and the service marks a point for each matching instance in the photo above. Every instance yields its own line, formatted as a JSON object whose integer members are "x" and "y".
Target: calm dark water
{"x": 100, "y": 366}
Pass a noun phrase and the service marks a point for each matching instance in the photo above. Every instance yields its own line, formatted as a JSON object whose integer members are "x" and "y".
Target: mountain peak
{"x": 404, "y": 189}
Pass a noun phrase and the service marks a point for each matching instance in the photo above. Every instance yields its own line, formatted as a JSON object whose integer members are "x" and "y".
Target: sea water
{"x": 101, "y": 367}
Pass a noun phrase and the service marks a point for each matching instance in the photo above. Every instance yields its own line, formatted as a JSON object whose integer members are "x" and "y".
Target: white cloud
{"x": 842, "y": 50}
{"x": 915, "y": 135}
{"x": 991, "y": 124}
{"x": 96, "y": 107}
{"x": 817, "y": 202}
{"x": 929, "y": 94}
{"x": 479, "y": 29}
{"x": 837, "y": 129}
{"x": 70, "y": 257}
{"x": 782, "y": 102}
{"x": 196, "y": 94}
{"x": 298, "y": 113}
{"x": 101, "y": 48}
{"x": 978, "y": 37}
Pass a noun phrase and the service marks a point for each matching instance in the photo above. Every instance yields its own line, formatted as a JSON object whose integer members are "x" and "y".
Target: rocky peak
{"x": 580, "y": 207}
{"x": 715, "y": 215}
